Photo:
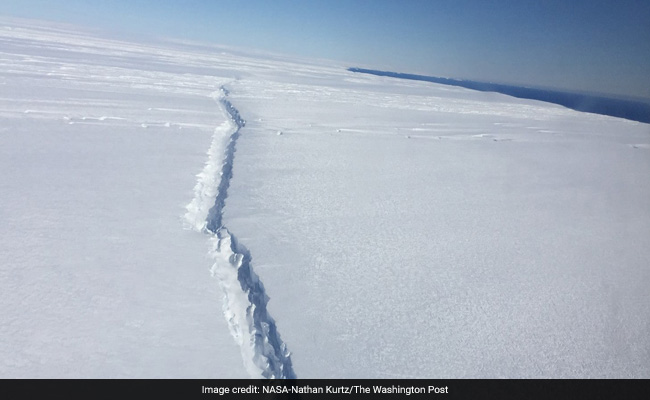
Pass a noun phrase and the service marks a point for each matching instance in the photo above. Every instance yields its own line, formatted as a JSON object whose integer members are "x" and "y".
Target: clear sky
{"x": 593, "y": 45}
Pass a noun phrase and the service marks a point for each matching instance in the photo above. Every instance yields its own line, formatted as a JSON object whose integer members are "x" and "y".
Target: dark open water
{"x": 629, "y": 109}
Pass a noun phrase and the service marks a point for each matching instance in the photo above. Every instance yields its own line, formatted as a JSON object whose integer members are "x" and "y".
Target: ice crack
{"x": 265, "y": 354}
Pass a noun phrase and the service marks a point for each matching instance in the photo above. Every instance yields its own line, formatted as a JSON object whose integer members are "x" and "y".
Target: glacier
{"x": 178, "y": 209}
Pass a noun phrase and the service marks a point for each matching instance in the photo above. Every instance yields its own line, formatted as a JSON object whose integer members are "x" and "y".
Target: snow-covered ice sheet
{"x": 406, "y": 229}
{"x": 399, "y": 228}
{"x": 99, "y": 153}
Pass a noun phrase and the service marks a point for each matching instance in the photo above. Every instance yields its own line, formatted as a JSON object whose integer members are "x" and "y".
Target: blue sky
{"x": 592, "y": 45}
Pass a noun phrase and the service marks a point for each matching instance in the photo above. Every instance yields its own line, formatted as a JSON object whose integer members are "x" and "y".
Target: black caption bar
{"x": 324, "y": 388}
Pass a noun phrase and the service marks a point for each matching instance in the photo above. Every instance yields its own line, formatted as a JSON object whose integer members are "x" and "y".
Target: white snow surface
{"x": 407, "y": 229}
{"x": 100, "y": 142}
{"x": 395, "y": 228}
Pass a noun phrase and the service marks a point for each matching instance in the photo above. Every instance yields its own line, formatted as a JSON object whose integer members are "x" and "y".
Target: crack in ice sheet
{"x": 245, "y": 300}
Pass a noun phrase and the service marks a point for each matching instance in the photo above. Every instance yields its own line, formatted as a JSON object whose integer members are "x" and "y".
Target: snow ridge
{"x": 265, "y": 354}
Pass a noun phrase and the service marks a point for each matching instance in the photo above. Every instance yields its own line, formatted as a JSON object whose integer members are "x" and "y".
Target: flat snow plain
{"x": 400, "y": 228}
